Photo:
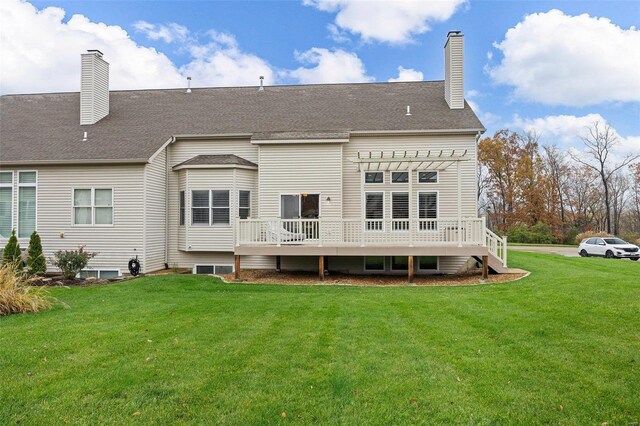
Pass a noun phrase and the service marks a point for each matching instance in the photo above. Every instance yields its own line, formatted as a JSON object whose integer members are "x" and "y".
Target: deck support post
{"x": 459, "y": 184}
{"x": 278, "y": 264}
{"x": 321, "y": 268}
{"x": 237, "y": 267}
{"x": 485, "y": 267}
{"x": 410, "y": 268}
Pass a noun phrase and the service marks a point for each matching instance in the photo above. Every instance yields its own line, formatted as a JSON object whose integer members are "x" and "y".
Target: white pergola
{"x": 410, "y": 161}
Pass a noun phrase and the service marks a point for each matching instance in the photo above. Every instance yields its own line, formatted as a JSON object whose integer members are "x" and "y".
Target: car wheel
{"x": 609, "y": 254}
{"x": 584, "y": 253}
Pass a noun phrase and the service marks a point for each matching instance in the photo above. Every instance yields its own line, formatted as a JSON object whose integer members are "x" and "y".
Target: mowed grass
{"x": 561, "y": 346}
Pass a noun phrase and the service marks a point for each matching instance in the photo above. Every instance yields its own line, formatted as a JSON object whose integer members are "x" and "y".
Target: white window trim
{"x": 384, "y": 210}
{"x": 299, "y": 194}
{"x": 210, "y": 224}
{"x": 99, "y": 270}
{"x": 384, "y": 264}
{"x": 427, "y": 171}
{"x": 240, "y": 207}
{"x": 429, "y": 270}
{"x": 400, "y": 183}
{"x": 364, "y": 177}
{"x": 195, "y": 267}
{"x": 12, "y": 206}
{"x": 417, "y": 217}
{"x": 17, "y": 198}
{"x": 93, "y": 209}
{"x": 408, "y": 208}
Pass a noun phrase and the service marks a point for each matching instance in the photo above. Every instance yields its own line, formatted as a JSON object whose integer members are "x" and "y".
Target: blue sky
{"x": 333, "y": 40}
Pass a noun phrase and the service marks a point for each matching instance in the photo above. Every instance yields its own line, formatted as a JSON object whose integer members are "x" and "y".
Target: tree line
{"x": 542, "y": 193}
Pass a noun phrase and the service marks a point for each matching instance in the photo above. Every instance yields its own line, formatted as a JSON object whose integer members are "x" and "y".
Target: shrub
{"x": 540, "y": 233}
{"x": 12, "y": 253}
{"x": 631, "y": 237}
{"x": 17, "y": 296}
{"x": 36, "y": 263}
{"x": 589, "y": 234}
{"x": 71, "y": 262}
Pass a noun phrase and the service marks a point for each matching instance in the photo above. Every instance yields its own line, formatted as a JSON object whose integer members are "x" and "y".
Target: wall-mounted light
{"x": 329, "y": 199}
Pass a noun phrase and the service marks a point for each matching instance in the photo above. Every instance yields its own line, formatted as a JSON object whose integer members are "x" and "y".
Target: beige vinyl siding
{"x": 155, "y": 176}
{"x": 446, "y": 187}
{"x": 115, "y": 244}
{"x": 300, "y": 168}
{"x": 454, "y": 76}
{"x": 94, "y": 93}
{"x": 179, "y": 152}
{"x": 355, "y": 265}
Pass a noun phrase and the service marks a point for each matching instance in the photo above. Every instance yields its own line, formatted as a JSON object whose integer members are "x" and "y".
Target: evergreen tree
{"x": 12, "y": 252}
{"x": 36, "y": 263}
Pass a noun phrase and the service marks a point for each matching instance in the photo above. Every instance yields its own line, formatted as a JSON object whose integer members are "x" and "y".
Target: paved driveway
{"x": 564, "y": 251}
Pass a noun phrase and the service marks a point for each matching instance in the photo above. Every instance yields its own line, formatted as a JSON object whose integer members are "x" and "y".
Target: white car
{"x": 609, "y": 247}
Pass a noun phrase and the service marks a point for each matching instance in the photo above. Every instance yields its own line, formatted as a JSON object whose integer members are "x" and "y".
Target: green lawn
{"x": 561, "y": 346}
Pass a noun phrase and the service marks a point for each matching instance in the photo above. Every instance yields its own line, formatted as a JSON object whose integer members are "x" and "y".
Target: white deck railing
{"x": 371, "y": 233}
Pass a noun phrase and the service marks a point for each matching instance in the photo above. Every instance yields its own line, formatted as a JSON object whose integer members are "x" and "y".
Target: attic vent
{"x": 188, "y": 84}
{"x": 261, "y": 89}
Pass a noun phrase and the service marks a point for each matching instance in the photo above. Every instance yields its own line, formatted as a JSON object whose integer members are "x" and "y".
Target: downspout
{"x": 166, "y": 202}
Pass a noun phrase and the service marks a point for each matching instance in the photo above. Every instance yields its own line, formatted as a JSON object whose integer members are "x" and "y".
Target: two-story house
{"x": 361, "y": 178}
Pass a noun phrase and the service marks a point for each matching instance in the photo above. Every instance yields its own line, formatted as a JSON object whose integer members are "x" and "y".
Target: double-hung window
{"x": 374, "y": 211}
{"x": 428, "y": 210}
{"x": 220, "y": 207}
{"x": 27, "y": 197}
{"x": 244, "y": 204}
{"x": 400, "y": 211}
{"x": 210, "y": 207}
{"x": 6, "y": 204}
{"x": 93, "y": 206}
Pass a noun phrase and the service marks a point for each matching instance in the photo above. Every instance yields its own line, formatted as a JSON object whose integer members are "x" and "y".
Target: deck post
{"x": 278, "y": 264}
{"x": 363, "y": 208}
{"x": 321, "y": 268}
{"x": 485, "y": 267}
{"x": 410, "y": 268}
{"x": 410, "y": 207}
{"x": 237, "y": 267}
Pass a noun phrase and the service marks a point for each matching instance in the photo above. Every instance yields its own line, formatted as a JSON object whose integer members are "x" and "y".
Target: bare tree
{"x": 558, "y": 170}
{"x": 619, "y": 187}
{"x": 599, "y": 143}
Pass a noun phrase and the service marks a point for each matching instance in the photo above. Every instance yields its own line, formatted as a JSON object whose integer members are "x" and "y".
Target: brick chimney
{"x": 94, "y": 87}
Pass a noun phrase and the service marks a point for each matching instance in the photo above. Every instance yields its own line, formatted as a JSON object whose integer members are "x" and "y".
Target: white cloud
{"x": 220, "y": 62}
{"x": 337, "y": 66}
{"x": 168, "y": 33}
{"x": 47, "y": 57}
{"x": 407, "y": 74}
{"x": 569, "y": 129}
{"x": 560, "y": 59}
{"x": 487, "y": 118}
{"x": 388, "y": 21}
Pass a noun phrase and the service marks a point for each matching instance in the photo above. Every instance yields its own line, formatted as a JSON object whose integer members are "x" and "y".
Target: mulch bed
{"x": 60, "y": 281}
{"x": 310, "y": 278}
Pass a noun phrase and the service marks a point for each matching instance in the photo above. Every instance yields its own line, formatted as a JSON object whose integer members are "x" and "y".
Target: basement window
{"x": 103, "y": 274}
{"x": 399, "y": 263}
{"x": 213, "y": 269}
{"x": 428, "y": 263}
{"x": 374, "y": 263}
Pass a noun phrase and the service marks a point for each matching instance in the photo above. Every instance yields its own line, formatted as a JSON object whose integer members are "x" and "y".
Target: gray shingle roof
{"x": 45, "y": 127}
{"x": 216, "y": 160}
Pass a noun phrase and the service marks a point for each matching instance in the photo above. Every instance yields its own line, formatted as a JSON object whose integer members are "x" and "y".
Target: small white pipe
{"x": 408, "y": 110}
{"x": 188, "y": 84}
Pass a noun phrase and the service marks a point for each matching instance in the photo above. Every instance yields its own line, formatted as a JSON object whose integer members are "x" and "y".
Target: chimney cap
{"x": 455, "y": 32}
{"x": 95, "y": 51}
